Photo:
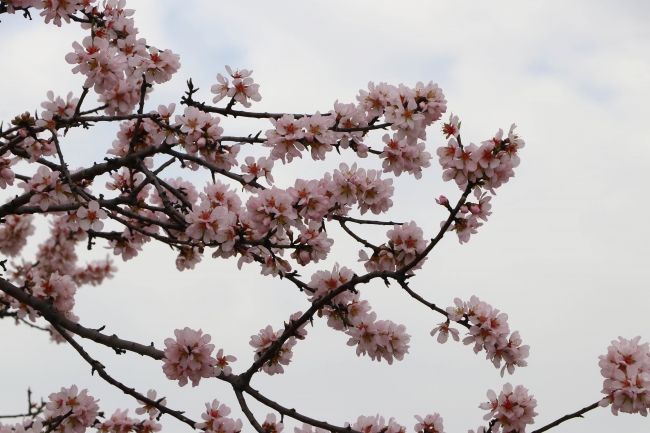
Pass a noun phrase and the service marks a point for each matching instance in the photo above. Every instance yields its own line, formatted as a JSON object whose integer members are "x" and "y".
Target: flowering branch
{"x": 101, "y": 370}
{"x": 577, "y": 414}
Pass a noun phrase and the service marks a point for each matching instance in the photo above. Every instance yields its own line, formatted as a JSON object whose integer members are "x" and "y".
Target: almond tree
{"x": 241, "y": 214}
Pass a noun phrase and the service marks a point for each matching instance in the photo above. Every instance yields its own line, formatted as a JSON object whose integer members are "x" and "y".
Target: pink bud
{"x": 442, "y": 201}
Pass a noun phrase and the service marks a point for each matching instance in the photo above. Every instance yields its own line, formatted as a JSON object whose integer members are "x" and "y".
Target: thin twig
{"x": 577, "y": 414}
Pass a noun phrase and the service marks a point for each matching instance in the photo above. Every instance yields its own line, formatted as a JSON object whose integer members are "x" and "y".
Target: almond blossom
{"x": 223, "y": 362}
{"x": 263, "y": 341}
{"x": 430, "y": 424}
{"x": 512, "y": 410}
{"x": 215, "y": 419}
{"x": 626, "y": 369}
{"x": 489, "y": 331}
{"x": 151, "y": 410}
{"x": 90, "y": 217}
{"x": 188, "y": 357}
{"x": 84, "y": 408}
{"x": 271, "y": 426}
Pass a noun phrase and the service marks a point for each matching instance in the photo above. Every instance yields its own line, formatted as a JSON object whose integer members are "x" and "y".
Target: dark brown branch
{"x": 237, "y": 113}
{"x": 577, "y": 414}
{"x": 441, "y": 233}
{"x": 87, "y": 174}
{"x": 292, "y": 413}
{"x": 308, "y": 315}
{"x": 247, "y": 412}
{"x": 362, "y": 241}
{"x": 56, "y": 422}
{"x": 360, "y": 221}
{"x": 101, "y": 370}
{"x": 54, "y": 316}
{"x": 84, "y": 92}
{"x": 408, "y": 290}
{"x": 180, "y": 219}
{"x": 31, "y": 325}
{"x": 212, "y": 167}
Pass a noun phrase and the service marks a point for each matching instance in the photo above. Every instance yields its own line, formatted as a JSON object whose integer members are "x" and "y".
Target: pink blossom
{"x": 221, "y": 89}
{"x": 374, "y": 102}
{"x": 452, "y": 128}
{"x": 188, "y": 357}
{"x": 314, "y": 244}
{"x": 253, "y": 170}
{"x": 14, "y": 233}
{"x": 430, "y": 424}
{"x": 188, "y": 257}
{"x": 60, "y": 288}
{"x": 184, "y": 187}
{"x": 59, "y": 107}
{"x": 444, "y": 330}
{"x": 152, "y": 411}
{"x": 306, "y": 428}
{"x": 512, "y": 410}
{"x": 223, "y": 362}
{"x": 626, "y": 369}
{"x": 90, "y": 217}
{"x": 84, "y": 409}
{"x": 271, "y": 426}
{"x": 489, "y": 331}
{"x": 215, "y": 419}
{"x": 272, "y": 209}
{"x": 263, "y": 341}
{"x": 400, "y": 156}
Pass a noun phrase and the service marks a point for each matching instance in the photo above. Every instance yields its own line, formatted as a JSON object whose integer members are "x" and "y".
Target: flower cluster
{"x": 27, "y": 426}
{"x": 84, "y": 408}
{"x": 243, "y": 88}
{"x": 351, "y": 185}
{"x": 488, "y": 331}
{"x": 14, "y": 233}
{"x": 291, "y": 136}
{"x": 188, "y": 357}
{"x": 466, "y": 222}
{"x": 202, "y": 134}
{"x": 376, "y": 424}
{"x": 46, "y": 188}
{"x": 60, "y": 288}
{"x": 406, "y": 241}
{"x": 512, "y": 410}
{"x": 120, "y": 422}
{"x": 265, "y": 339}
{"x": 215, "y": 419}
{"x": 379, "y": 339}
{"x": 116, "y": 64}
{"x": 626, "y": 369}
{"x": 7, "y": 176}
{"x": 401, "y": 156}
{"x": 491, "y": 164}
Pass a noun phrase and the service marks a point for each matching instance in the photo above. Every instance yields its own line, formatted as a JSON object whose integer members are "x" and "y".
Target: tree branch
{"x": 577, "y": 414}
{"x": 101, "y": 370}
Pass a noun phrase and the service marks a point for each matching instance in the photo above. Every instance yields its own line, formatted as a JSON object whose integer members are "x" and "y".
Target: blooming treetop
{"x": 242, "y": 214}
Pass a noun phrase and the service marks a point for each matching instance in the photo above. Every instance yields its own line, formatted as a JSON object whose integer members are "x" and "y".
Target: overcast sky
{"x": 564, "y": 254}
